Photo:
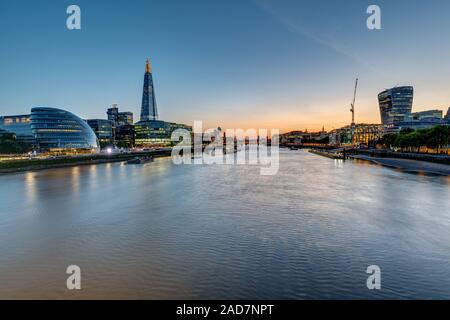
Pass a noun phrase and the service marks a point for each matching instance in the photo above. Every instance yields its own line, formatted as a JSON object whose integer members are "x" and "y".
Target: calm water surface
{"x": 165, "y": 231}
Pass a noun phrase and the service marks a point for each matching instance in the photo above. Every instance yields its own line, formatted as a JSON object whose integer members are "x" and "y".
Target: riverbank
{"x": 407, "y": 165}
{"x": 381, "y": 153}
{"x": 42, "y": 164}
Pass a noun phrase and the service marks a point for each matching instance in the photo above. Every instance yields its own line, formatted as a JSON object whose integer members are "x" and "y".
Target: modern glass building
{"x": 60, "y": 130}
{"x": 103, "y": 129}
{"x": 4, "y": 133}
{"x": 151, "y": 132}
{"x": 156, "y": 133}
{"x": 125, "y": 136}
{"x": 395, "y": 104}
{"x": 119, "y": 118}
{"x": 423, "y": 119}
{"x": 19, "y": 125}
{"x": 125, "y": 118}
{"x": 113, "y": 114}
{"x": 149, "y": 110}
{"x": 421, "y": 115}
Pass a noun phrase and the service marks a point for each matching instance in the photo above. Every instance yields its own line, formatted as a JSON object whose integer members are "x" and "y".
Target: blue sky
{"x": 236, "y": 63}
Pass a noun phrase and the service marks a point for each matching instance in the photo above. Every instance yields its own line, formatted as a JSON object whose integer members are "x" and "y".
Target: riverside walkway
{"x": 413, "y": 166}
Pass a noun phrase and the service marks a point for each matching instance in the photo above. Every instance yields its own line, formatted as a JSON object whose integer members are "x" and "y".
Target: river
{"x": 161, "y": 231}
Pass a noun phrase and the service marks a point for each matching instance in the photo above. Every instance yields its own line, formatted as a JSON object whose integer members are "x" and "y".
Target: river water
{"x": 161, "y": 231}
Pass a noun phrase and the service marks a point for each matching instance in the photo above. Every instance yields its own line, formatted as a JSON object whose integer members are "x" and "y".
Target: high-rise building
{"x": 121, "y": 136}
{"x": 119, "y": 118}
{"x": 113, "y": 114}
{"x": 149, "y": 131}
{"x": 447, "y": 116}
{"x": 395, "y": 104}
{"x": 149, "y": 110}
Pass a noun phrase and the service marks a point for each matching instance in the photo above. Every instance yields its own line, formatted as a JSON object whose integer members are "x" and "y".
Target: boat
{"x": 140, "y": 160}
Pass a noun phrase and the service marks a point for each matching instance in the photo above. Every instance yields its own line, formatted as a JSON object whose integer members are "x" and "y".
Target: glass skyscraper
{"x": 150, "y": 131}
{"x": 395, "y": 104}
{"x": 148, "y": 108}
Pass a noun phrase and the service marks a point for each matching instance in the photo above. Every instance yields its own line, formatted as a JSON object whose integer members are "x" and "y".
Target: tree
{"x": 9, "y": 145}
{"x": 438, "y": 137}
{"x": 405, "y": 131}
{"x": 388, "y": 140}
{"x": 417, "y": 139}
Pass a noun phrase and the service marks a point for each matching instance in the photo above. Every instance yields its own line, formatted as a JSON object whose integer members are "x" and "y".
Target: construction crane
{"x": 352, "y": 110}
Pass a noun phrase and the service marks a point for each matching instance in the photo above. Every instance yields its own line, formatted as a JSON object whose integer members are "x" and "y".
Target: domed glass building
{"x": 56, "y": 129}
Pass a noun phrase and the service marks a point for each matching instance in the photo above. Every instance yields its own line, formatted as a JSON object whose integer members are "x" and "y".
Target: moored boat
{"x": 140, "y": 160}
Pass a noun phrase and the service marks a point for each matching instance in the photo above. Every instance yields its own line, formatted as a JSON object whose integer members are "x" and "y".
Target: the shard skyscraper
{"x": 149, "y": 110}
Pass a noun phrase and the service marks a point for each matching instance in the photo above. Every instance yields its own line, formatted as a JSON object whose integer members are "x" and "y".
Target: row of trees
{"x": 437, "y": 138}
{"x": 9, "y": 145}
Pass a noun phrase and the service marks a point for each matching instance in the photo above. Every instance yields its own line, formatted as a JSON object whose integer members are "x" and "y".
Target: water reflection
{"x": 75, "y": 177}
{"x": 165, "y": 231}
{"x": 30, "y": 187}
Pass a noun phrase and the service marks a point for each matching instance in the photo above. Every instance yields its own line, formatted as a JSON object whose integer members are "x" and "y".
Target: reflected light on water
{"x": 338, "y": 163}
{"x": 75, "y": 179}
{"x": 30, "y": 187}
{"x": 108, "y": 172}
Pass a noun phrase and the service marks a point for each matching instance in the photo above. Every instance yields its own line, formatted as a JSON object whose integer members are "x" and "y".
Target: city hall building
{"x": 52, "y": 130}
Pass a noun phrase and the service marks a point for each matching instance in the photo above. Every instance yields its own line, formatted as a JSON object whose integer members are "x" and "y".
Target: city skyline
{"x": 225, "y": 159}
{"x": 280, "y": 65}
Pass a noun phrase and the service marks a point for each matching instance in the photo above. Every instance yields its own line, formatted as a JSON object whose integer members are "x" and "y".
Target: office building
{"x": 361, "y": 135}
{"x": 58, "y": 130}
{"x": 395, "y": 104}
{"x": 149, "y": 110}
{"x": 125, "y": 136}
{"x": 4, "y": 133}
{"x": 119, "y": 118}
{"x": 113, "y": 114}
{"x": 103, "y": 129}
{"x": 156, "y": 133}
{"x": 19, "y": 125}
{"x": 122, "y": 127}
{"x": 423, "y": 120}
{"x": 125, "y": 118}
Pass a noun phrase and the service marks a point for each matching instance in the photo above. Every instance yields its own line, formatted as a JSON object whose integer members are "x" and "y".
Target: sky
{"x": 273, "y": 64}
